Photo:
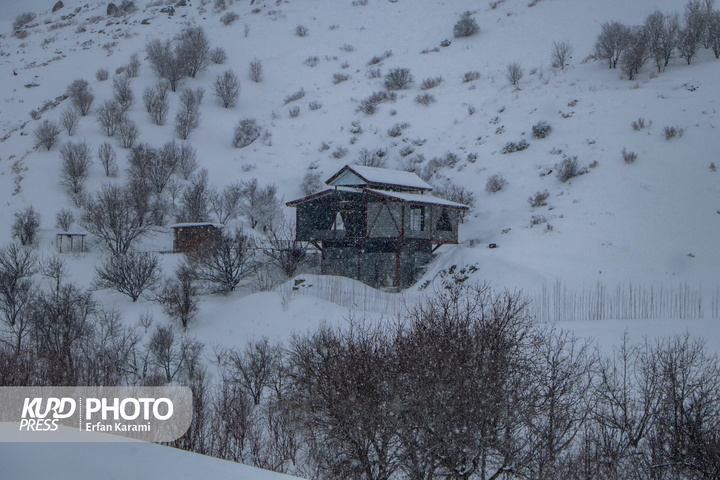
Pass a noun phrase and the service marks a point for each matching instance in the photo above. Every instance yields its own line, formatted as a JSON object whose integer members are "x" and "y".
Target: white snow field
{"x": 639, "y": 238}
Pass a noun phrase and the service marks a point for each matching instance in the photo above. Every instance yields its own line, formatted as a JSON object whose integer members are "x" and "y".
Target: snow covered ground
{"x": 652, "y": 225}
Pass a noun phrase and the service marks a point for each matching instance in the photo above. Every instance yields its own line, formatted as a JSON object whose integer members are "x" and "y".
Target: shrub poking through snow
{"x": 639, "y": 124}
{"x": 425, "y": 99}
{"x": 46, "y": 134}
{"x": 471, "y": 76}
{"x": 672, "y": 132}
{"x": 246, "y": 132}
{"x": 466, "y": 26}
{"x": 295, "y": 96}
{"x": 569, "y": 168}
{"x": 629, "y": 157}
{"x": 429, "y": 83}
{"x": 495, "y": 183}
{"x": 541, "y": 129}
{"x": 397, "y": 129}
{"x": 398, "y": 79}
{"x": 512, "y": 147}
{"x": 539, "y": 199}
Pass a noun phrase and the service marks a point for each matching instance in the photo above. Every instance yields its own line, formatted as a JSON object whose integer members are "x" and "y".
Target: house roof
{"x": 401, "y": 196}
{"x": 358, "y": 175}
{"x": 198, "y": 224}
{"x": 417, "y": 198}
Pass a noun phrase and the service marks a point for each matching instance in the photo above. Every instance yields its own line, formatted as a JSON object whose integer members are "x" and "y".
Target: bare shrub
{"x": 672, "y": 132}
{"x": 495, "y": 183}
{"x": 229, "y": 18}
{"x": 227, "y": 88}
{"x": 217, "y": 55}
{"x": 377, "y": 59}
{"x": 192, "y": 49}
{"x": 81, "y": 95}
{"x": 639, "y": 124}
{"x": 429, "y": 83}
{"x": 246, "y": 132}
{"x": 178, "y": 296}
{"x": 122, "y": 92}
{"x": 397, "y": 129}
{"x": 46, "y": 134}
{"x": 560, "y": 54}
{"x": 541, "y": 129}
{"x": 369, "y": 104}
{"x": 512, "y": 147}
{"x": 226, "y": 262}
{"x": 301, "y": 31}
{"x": 465, "y": 27}
{"x": 128, "y": 132}
{"x": 374, "y": 73}
{"x": 294, "y": 112}
{"x": 188, "y": 118}
{"x": 398, "y": 79}
{"x": 295, "y": 96}
{"x": 255, "y": 70}
{"x": 24, "y": 228}
{"x": 315, "y": 105}
{"x": 106, "y": 155}
{"x": 22, "y": 20}
{"x": 312, "y": 61}
{"x": 539, "y": 199}
{"x": 340, "y": 77}
{"x": 425, "y": 99}
{"x": 629, "y": 157}
{"x": 133, "y": 67}
{"x": 102, "y": 74}
{"x": 110, "y": 114}
{"x": 311, "y": 183}
{"x": 569, "y": 168}
{"x": 339, "y": 152}
{"x": 471, "y": 76}
{"x": 514, "y": 73}
{"x": 130, "y": 274}
{"x": 371, "y": 158}
{"x": 156, "y": 102}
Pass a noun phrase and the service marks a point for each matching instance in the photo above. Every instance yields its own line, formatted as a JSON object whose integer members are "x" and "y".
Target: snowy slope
{"x": 651, "y": 224}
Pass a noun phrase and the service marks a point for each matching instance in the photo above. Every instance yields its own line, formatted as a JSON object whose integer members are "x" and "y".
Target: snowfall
{"x": 621, "y": 231}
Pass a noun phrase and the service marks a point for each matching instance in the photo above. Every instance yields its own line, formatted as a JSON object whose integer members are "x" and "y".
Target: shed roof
{"x": 197, "y": 224}
{"x": 355, "y": 175}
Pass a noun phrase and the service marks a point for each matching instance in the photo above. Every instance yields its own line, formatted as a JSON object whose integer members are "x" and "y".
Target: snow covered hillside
{"x": 637, "y": 232}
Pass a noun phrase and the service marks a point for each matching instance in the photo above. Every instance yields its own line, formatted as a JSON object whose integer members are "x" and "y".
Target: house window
{"x": 444, "y": 224}
{"x": 417, "y": 219}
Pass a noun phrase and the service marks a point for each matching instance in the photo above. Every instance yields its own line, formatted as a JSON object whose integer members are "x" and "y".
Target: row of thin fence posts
{"x": 555, "y": 302}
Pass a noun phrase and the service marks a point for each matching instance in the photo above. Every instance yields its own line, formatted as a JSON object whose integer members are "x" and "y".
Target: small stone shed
{"x": 376, "y": 225}
{"x": 190, "y": 236}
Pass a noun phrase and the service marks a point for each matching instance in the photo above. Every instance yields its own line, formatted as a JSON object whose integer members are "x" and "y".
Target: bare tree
{"x": 69, "y": 120}
{"x": 128, "y": 132}
{"x": 26, "y": 225}
{"x": 224, "y": 263}
{"x": 77, "y": 159}
{"x": 225, "y": 205}
{"x": 561, "y": 53}
{"x": 106, "y": 154}
{"x": 714, "y": 32}
{"x": 46, "y": 134}
{"x": 636, "y": 53}
{"x": 110, "y": 115}
{"x": 260, "y": 204}
{"x": 255, "y": 367}
{"x": 133, "y": 66}
{"x": 80, "y": 93}
{"x": 227, "y": 88}
{"x": 64, "y": 219}
{"x": 611, "y": 42}
{"x": 166, "y": 63}
{"x": 193, "y": 48}
{"x": 156, "y": 101}
{"x": 283, "y": 250}
{"x": 187, "y": 160}
{"x": 188, "y": 118}
{"x": 691, "y": 36}
{"x": 118, "y": 216}
{"x": 17, "y": 266}
{"x": 122, "y": 91}
{"x": 178, "y": 296}
{"x": 130, "y": 274}
{"x": 195, "y": 199}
